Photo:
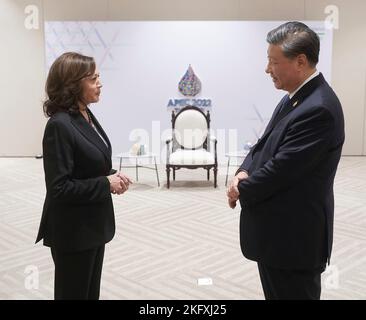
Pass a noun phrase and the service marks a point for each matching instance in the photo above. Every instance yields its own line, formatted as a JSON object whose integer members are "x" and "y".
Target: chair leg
{"x": 215, "y": 176}
{"x": 157, "y": 173}
{"x": 208, "y": 174}
{"x": 174, "y": 174}
{"x": 168, "y": 177}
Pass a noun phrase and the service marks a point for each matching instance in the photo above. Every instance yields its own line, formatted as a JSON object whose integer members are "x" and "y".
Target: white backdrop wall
{"x": 141, "y": 64}
{"x": 23, "y": 66}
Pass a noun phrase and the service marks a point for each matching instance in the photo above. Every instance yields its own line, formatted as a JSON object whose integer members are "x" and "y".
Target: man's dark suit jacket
{"x": 287, "y": 201}
{"x": 78, "y": 210}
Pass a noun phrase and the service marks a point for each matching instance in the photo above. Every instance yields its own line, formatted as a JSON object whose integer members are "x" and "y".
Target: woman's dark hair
{"x": 296, "y": 38}
{"x": 63, "y": 85}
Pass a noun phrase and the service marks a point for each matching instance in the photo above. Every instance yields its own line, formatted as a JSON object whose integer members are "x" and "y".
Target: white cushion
{"x": 191, "y": 157}
{"x": 190, "y": 129}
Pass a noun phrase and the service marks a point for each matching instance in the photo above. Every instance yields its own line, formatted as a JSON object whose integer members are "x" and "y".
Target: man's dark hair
{"x": 296, "y": 38}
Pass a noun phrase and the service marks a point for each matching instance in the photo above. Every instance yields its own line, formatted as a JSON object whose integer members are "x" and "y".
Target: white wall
{"x": 21, "y": 81}
{"x": 349, "y": 66}
{"x": 22, "y": 122}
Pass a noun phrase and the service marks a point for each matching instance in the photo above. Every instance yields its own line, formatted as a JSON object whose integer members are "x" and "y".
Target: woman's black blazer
{"x": 78, "y": 210}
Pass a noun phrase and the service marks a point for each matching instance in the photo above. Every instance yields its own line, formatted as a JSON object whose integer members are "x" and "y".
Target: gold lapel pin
{"x": 295, "y": 103}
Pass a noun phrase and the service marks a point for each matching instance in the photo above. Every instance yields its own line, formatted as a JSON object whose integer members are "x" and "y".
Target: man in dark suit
{"x": 285, "y": 184}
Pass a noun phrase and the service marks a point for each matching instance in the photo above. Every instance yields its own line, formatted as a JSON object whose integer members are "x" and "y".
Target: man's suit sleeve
{"x": 59, "y": 164}
{"x": 305, "y": 143}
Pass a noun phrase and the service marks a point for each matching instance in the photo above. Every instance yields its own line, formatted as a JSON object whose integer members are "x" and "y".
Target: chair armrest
{"x": 169, "y": 148}
{"x": 213, "y": 140}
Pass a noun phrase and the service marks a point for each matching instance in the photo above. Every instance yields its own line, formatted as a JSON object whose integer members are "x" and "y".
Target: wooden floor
{"x": 167, "y": 240}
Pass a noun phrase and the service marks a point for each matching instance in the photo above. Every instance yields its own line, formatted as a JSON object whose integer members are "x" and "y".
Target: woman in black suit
{"x": 78, "y": 217}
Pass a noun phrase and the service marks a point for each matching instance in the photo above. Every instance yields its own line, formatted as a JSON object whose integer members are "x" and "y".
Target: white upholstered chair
{"x": 191, "y": 144}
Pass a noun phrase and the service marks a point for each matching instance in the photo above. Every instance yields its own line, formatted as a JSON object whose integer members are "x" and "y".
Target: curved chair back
{"x": 190, "y": 128}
